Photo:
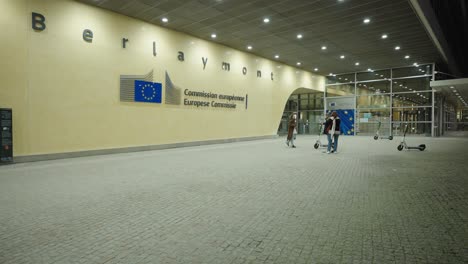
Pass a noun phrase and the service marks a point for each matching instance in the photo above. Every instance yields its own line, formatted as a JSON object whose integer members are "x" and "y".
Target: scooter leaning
{"x": 403, "y": 144}
{"x": 377, "y": 133}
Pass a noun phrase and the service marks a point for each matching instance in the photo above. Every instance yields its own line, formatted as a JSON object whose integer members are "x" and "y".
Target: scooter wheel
{"x": 316, "y": 145}
{"x": 422, "y": 147}
{"x": 376, "y": 137}
{"x": 400, "y": 147}
{"x": 390, "y": 137}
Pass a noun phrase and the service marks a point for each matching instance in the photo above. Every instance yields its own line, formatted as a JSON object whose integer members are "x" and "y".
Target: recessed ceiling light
{"x": 397, "y": 48}
{"x": 324, "y": 47}
{"x": 369, "y": 69}
{"x": 298, "y": 63}
{"x": 266, "y": 20}
{"x": 316, "y": 69}
{"x": 249, "y": 47}
{"x": 331, "y": 74}
{"x": 299, "y": 36}
{"x": 415, "y": 64}
{"x": 367, "y": 20}
{"x": 384, "y": 36}
{"x": 165, "y": 20}
{"x": 357, "y": 63}
{"x": 407, "y": 57}
{"x": 342, "y": 56}
{"x": 213, "y": 35}
{"x": 276, "y": 56}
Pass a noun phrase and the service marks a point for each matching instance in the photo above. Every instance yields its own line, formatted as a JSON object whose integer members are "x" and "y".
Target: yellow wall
{"x": 65, "y": 92}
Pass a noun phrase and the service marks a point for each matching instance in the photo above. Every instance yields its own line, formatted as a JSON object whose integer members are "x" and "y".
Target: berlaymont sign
{"x": 141, "y": 88}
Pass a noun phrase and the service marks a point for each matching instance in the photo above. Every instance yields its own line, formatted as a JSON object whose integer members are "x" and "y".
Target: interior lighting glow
{"x": 367, "y": 20}
{"x": 342, "y": 56}
{"x": 299, "y": 36}
{"x": 324, "y": 47}
{"x": 165, "y": 20}
{"x": 213, "y": 36}
{"x": 384, "y": 36}
{"x": 397, "y": 48}
{"x": 249, "y": 47}
{"x": 276, "y": 56}
{"x": 266, "y": 20}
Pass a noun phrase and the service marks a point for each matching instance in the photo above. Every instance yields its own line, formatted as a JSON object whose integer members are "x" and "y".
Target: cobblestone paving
{"x": 247, "y": 202}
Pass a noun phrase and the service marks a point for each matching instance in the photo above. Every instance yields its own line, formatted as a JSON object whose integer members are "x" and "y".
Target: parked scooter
{"x": 377, "y": 133}
{"x": 403, "y": 144}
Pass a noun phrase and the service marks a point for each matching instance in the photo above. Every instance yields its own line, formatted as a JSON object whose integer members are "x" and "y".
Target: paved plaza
{"x": 245, "y": 202}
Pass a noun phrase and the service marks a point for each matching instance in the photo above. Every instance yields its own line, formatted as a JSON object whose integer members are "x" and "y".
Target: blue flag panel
{"x": 148, "y": 92}
{"x": 347, "y": 120}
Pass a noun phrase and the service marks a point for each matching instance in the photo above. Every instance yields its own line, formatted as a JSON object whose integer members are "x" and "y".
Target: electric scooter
{"x": 377, "y": 133}
{"x": 403, "y": 144}
{"x": 318, "y": 143}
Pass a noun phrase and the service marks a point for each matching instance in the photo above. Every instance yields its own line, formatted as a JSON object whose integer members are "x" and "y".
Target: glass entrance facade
{"x": 310, "y": 107}
{"x": 387, "y": 99}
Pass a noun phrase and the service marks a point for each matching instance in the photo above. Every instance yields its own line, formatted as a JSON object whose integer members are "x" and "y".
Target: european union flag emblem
{"x": 148, "y": 92}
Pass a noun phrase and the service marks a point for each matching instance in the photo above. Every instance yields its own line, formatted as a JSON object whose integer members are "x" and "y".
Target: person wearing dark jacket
{"x": 292, "y": 122}
{"x": 332, "y": 129}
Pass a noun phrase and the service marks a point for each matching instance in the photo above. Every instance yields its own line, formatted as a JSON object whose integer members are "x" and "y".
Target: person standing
{"x": 292, "y": 123}
{"x": 332, "y": 129}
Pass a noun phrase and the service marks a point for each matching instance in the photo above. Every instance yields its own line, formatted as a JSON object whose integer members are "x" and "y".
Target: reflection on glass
{"x": 309, "y": 122}
{"x": 373, "y": 115}
{"x": 373, "y": 87}
{"x": 413, "y": 84}
{"x": 291, "y": 105}
{"x": 416, "y": 114}
{"x": 373, "y": 101}
{"x": 412, "y": 99}
{"x": 413, "y": 71}
{"x": 368, "y": 121}
{"x": 340, "y": 90}
{"x": 341, "y": 78}
{"x": 423, "y": 129}
{"x": 373, "y": 75}
{"x": 307, "y": 101}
